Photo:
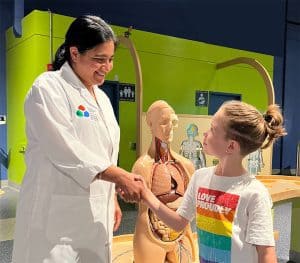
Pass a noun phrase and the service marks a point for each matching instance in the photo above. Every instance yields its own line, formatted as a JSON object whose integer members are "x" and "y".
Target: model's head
{"x": 192, "y": 130}
{"x": 161, "y": 119}
{"x": 251, "y": 129}
{"x": 89, "y": 48}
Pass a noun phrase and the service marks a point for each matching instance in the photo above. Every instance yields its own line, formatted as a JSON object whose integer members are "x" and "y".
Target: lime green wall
{"x": 22, "y": 68}
{"x": 172, "y": 69}
{"x": 26, "y": 58}
{"x": 295, "y": 241}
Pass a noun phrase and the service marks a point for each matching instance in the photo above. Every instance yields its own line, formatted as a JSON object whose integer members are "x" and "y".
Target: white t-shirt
{"x": 233, "y": 214}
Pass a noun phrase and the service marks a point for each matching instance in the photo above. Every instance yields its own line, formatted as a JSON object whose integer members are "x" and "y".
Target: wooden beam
{"x": 126, "y": 41}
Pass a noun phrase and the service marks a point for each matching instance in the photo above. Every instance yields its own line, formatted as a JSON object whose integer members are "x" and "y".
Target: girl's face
{"x": 215, "y": 142}
{"x": 93, "y": 65}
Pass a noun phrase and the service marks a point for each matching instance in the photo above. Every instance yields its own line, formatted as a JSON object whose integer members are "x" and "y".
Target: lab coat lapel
{"x": 109, "y": 122}
{"x": 88, "y": 97}
{"x": 69, "y": 75}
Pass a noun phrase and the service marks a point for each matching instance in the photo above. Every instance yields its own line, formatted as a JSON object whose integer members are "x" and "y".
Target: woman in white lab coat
{"x": 67, "y": 198}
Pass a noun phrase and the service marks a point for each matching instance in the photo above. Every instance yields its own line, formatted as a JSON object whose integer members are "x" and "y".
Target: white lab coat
{"x": 64, "y": 153}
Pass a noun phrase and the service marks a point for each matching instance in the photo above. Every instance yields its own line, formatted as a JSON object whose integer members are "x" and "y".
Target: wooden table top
{"x": 281, "y": 187}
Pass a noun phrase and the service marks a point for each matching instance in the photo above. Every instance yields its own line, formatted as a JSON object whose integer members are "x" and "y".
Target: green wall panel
{"x": 26, "y": 57}
{"x": 127, "y": 110}
{"x": 24, "y": 63}
{"x": 295, "y": 240}
{"x": 172, "y": 46}
{"x": 242, "y": 80}
{"x": 175, "y": 79}
{"x": 38, "y": 23}
{"x": 173, "y": 69}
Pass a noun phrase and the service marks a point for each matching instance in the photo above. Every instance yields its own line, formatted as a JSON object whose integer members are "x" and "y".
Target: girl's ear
{"x": 232, "y": 147}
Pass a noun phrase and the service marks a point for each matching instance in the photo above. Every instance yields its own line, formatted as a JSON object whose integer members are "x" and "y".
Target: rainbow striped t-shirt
{"x": 233, "y": 214}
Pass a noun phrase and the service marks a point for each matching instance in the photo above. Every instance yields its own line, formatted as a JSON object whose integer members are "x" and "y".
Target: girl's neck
{"x": 230, "y": 168}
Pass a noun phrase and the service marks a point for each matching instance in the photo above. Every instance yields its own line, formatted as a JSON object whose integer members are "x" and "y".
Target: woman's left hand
{"x": 118, "y": 214}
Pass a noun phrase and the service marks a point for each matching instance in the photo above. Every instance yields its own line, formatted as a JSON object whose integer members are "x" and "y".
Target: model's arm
{"x": 266, "y": 254}
{"x": 167, "y": 215}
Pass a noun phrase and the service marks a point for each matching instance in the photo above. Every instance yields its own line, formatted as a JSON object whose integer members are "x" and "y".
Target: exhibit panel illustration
{"x": 264, "y": 163}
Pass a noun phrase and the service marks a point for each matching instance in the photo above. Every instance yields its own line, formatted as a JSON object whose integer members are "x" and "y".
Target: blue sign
{"x": 126, "y": 92}
{"x": 201, "y": 98}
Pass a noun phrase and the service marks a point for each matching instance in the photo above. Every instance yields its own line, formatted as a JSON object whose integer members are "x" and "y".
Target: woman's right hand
{"x": 130, "y": 187}
{"x": 148, "y": 197}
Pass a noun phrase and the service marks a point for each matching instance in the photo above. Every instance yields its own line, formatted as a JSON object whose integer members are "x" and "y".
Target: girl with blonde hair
{"x": 232, "y": 208}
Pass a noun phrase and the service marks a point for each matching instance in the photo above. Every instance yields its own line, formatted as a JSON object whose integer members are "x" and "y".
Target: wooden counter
{"x": 281, "y": 187}
{"x": 285, "y": 193}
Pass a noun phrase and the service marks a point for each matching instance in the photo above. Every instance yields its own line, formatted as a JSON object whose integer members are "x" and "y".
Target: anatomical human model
{"x": 167, "y": 175}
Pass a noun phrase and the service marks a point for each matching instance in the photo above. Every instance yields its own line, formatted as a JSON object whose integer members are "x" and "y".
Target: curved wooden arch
{"x": 260, "y": 69}
{"x": 126, "y": 41}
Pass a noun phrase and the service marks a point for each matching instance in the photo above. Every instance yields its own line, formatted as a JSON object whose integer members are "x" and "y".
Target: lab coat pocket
{"x": 98, "y": 208}
{"x": 74, "y": 217}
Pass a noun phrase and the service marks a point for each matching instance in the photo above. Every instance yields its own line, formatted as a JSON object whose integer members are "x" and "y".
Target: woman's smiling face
{"x": 94, "y": 64}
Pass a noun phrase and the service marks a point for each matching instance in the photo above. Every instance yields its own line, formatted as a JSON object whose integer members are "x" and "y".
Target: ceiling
{"x": 257, "y": 25}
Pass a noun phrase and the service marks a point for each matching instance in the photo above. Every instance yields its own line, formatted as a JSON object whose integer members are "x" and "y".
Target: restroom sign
{"x": 201, "y": 98}
{"x": 126, "y": 92}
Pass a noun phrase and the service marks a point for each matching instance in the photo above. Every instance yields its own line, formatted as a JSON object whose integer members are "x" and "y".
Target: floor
{"x": 8, "y": 201}
{"x": 123, "y": 246}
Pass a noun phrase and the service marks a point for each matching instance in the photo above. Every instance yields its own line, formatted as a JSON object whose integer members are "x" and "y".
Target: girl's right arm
{"x": 167, "y": 215}
{"x": 266, "y": 254}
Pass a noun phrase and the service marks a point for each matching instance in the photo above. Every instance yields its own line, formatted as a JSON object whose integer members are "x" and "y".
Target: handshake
{"x": 132, "y": 188}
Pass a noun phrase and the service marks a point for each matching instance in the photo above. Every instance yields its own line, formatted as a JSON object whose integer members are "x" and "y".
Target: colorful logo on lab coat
{"x": 82, "y": 112}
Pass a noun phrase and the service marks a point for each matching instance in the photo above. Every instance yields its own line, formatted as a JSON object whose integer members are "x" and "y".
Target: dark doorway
{"x": 111, "y": 89}
{"x": 216, "y": 99}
